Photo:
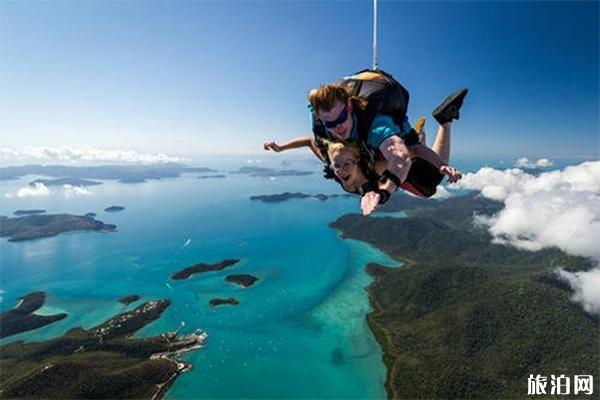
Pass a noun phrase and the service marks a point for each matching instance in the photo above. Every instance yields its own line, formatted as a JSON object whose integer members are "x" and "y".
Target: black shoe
{"x": 448, "y": 110}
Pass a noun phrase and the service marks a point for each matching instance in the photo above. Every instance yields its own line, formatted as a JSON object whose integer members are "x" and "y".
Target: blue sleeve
{"x": 383, "y": 127}
{"x": 311, "y": 114}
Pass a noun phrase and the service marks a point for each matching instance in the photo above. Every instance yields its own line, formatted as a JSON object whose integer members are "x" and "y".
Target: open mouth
{"x": 345, "y": 177}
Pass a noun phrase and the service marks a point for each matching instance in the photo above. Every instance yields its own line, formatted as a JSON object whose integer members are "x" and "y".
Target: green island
{"x": 278, "y": 198}
{"x": 244, "y": 280}
{"x": 65, "y": 181}
{"x": 211, "y": 177}
{"x": 127, "y": 300}
{"x": 465, "y": 317}
{"x": 21, "y": 318}
{"x": 39, "y": 226}
{"x": 219, "y": 302}
{"x": 102, "y": 362}
{"x": 202, "y": 267}
{"x": 28, "y": 212}
{"x": 269, "y": 172}
{"x": 114, "y": 208}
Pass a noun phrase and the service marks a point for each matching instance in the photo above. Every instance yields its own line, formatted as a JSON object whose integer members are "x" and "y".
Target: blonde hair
{"x": 333, "y": 146}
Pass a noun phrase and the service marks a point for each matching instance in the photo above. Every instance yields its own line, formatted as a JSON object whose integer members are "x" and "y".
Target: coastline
{"x": 381, "y": 335}
{"x": 347, "y": 312}
{"x": 181, "y": 366}
{"x": 469, "y": 308}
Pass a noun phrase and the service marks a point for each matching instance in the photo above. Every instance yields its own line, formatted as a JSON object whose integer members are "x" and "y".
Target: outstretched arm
{"x": 302, "y": 141}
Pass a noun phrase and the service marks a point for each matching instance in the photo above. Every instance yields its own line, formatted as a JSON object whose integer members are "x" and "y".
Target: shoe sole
{"x": 450, "y": 101}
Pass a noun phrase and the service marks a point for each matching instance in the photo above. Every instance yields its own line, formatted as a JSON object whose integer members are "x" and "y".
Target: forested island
{"x": 268, "y": 172}
{"x": 21, "y": 318}
{"x": 202, "y": 267}
{"x": 65, "y": 181}
{"x": 102, "y": 362}
{"x": 40, "y": 226}
{"x": 127, "y": 300}
{"x": 219, "y": 302}
{"x": 28, "y": 212}
{"x": 244, "y": 280}
{"x": 211, "y": 176}
{"x": 114, "y": 208}
{"x": 278, "y": 198}
{"x": 122, "y": 173}
{"x": 464, "y": 317}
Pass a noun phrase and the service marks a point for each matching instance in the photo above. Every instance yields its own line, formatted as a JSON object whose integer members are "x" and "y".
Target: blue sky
{"x": 211, "y": 77}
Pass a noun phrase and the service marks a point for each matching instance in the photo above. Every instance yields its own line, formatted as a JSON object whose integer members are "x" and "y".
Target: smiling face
{"x": 345, "y": 166}
{"x": 335, "y": 122}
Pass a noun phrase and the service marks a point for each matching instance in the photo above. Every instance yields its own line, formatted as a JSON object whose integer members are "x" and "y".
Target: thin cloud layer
{"x": 84, "y": 154}
{"x": 524, "y": 162}
{"x": 41, "y": 190}
{"x": 70, "y": 191}
{"x": 555, "y": 209}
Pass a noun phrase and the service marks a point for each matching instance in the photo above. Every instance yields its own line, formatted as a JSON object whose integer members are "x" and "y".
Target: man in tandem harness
{"x": 363, "y": 118}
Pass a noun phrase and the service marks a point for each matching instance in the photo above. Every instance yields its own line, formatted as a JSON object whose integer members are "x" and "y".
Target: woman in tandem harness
{"x": 362, "y": 134}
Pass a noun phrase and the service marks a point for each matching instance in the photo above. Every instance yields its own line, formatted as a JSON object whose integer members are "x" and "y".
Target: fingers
{"x": 369, "y": 203}
{"x": 271, "y": 146}
{"x": 454, "y": 175}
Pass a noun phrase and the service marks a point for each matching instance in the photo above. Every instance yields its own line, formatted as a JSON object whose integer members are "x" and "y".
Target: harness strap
{"x": 387, "y": 174}
{"x": 384, "y": 196}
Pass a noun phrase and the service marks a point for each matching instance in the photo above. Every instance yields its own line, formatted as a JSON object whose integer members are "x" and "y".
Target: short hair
{"x": 324, "y": 97}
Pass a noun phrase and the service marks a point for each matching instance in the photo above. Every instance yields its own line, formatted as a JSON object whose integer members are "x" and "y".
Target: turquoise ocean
{"x": 299, "y": 332}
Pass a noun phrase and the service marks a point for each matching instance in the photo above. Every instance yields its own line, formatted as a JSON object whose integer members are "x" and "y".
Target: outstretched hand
{"x": 272, "y": 146}
{"x": 454, "y": 175}
{"x": 370, "y": 202}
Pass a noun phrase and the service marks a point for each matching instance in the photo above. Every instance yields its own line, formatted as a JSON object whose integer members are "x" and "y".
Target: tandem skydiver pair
{"x": 362, "y": 135}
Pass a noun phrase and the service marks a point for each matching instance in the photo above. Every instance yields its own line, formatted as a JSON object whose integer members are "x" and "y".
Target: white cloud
{"x": 558, "y": 208}
{"x": 524, "y": 162}
{"x": 70, "y": 191}
{"x": 83, "y": 154}
{"x": 555, "y": 209}
{"x": 37, "y": 190}
{"x": 41, "y": 190}
{"x": 587, "y": 287}
{"x": 441, "y": 193}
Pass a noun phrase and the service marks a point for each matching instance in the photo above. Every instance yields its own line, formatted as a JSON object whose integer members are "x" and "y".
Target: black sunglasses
{"x": 338, "y": 121}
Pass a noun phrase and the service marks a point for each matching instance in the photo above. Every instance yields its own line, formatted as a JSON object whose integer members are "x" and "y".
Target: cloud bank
{"x": 84, "y": 154}
{"x": 555, "y": 209}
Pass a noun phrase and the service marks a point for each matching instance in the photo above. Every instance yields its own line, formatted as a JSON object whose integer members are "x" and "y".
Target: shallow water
{"x": 299, "y": 332}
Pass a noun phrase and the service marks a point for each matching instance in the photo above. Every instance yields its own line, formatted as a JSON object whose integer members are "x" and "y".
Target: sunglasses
{"x": 338, "y": 121}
